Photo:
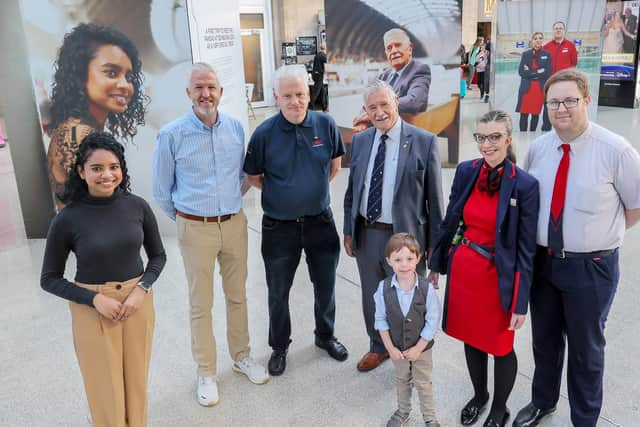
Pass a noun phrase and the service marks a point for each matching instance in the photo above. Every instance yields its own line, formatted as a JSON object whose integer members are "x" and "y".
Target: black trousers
{"x": 570, "y": 300}
{"x": 282, "y": 245}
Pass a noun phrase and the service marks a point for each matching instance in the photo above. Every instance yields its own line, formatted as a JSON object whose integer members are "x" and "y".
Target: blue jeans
{"x": 282, "y": 245}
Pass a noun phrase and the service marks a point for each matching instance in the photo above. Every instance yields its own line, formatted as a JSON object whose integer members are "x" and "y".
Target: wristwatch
{"x": 143, "y": 286}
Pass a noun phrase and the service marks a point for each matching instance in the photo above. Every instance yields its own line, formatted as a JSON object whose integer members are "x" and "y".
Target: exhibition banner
{"x": 123, "y": 67}
{"x": 214, "y": 27}
{"x": 535, "y": 39}
{"x": 419, "y": 58}
{"x": 619, "y": 53}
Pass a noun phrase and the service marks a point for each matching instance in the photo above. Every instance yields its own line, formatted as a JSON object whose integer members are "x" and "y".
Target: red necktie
{"x": 556, "y": 243}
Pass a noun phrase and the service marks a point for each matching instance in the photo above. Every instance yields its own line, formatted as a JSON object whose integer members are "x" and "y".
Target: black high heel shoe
{"x": 490, "y": 422}
{"x": 471, "y": 411}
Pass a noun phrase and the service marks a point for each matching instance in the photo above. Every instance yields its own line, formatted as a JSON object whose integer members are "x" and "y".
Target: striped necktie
{"x": 374, "y": 202}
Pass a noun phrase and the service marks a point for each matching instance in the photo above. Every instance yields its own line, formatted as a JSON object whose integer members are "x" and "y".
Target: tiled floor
{"x": 41, "y": 384}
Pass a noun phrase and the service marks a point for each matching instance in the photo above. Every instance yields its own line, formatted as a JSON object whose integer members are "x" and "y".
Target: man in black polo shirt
{"x": 292, "y": 156}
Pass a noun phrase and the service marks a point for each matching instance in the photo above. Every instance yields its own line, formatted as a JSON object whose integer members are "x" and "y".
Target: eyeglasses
{"x": 568, "y": 103}
{"x": 493, "y": 138}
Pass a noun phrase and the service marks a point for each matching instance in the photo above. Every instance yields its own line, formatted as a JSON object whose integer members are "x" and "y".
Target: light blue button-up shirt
{"x": 392, "y": 151}
{"x": 431, "y": 317}
{"x": 198, "y": 169}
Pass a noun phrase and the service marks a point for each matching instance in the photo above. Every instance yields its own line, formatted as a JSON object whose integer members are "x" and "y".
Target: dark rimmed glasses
{"x": 568, "y": 103}
{"x": 493, "y": 138}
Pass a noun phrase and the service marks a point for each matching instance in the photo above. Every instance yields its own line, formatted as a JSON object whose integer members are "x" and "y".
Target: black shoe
{"x": 490, "y": 422}
{"x": 471, "y": 411}
{"x": 334, "y": 348}
{"x": 530, "y": 415}
{"x": 277, "y": 362}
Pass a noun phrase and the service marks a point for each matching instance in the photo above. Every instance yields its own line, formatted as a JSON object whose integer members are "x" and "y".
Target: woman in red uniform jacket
{"x": 534, "y": 70}
{"x": 486, "y": 246}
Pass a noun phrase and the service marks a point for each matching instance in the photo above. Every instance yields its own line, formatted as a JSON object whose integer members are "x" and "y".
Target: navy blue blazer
{"x": 516, "y": 225}
{"x": 543, "y": 62}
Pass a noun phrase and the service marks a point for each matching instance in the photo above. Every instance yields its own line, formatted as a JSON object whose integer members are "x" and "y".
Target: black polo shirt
{"x": 295, "y": 161}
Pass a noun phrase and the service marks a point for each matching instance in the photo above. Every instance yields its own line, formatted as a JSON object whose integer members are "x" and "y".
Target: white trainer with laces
{"x": 256, "y": 373}
{"x": 207, "y": 391}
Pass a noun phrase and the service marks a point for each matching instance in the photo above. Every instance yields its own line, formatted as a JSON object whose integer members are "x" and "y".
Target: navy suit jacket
{"x": 543, "y": 61}
{"x": 516, "y": 225}
{"x": 417, "y": 200}
{"x": 412, "y": 87}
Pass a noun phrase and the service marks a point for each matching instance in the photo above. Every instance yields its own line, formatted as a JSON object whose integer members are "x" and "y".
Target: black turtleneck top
{"x": 105, "y": 234}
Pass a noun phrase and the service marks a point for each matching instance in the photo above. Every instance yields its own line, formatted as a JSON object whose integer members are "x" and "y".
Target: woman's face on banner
{"x": 536, "y": 41}
{"x": 109, "y": 86}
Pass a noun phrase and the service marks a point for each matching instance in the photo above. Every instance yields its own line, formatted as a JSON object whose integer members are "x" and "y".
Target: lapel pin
{"x": 513, "y": 202}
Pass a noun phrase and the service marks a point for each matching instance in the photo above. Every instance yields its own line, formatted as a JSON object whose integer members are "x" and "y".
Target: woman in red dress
{"x": 534, "y": 69}
{"x": 486, "y": 246}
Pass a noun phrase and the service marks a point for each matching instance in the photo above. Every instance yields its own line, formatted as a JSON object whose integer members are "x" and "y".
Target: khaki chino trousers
{"x": 114, "y": 357}
{"x": 201, "y": 244}
{"x": 418, "y": 374}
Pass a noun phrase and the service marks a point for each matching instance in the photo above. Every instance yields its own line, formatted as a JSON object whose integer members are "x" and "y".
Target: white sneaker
{"x": 252, "y": 369}
{"x": 207, "y": 391}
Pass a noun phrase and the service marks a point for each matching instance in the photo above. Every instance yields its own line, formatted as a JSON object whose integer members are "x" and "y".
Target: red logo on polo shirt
{"x": 317, "y": 142}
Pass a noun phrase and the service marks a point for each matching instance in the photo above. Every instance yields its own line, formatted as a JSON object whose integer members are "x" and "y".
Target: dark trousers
{"x": 282, "y": 245}
{"x": 372, "y": 268}
{"x": 571, "y": 298}
{"x": 546, "y": 124}
{"x": 481, "y": 83}
{"x": 316, "y": 101}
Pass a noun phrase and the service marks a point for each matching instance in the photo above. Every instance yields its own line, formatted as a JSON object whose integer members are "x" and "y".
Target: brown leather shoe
{"x": 371, "y": 361}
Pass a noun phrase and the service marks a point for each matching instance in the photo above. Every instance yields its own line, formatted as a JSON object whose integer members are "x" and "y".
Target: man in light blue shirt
{"x": 197, "y": 180}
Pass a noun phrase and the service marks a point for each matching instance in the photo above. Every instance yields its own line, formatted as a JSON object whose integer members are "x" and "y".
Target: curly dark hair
{"x": 75, "y": 188}
{"x": 68, "y": 96}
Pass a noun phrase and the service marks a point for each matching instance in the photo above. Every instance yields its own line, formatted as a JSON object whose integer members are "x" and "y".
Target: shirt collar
{"x": 401, "y": 70}
{"x": 199, "y": 124}
{"x": 394, "y": 283}
{"x": 286, "y": 125}
{"x": 578, "y": 141}
{"x": 394, "y": 132}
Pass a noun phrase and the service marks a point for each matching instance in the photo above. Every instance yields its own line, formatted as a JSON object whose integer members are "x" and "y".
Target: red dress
{"x": 533, "y": 99}
{"x": 473, "y": 312}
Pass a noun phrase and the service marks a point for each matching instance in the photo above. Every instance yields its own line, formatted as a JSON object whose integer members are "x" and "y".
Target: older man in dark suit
{"x": 394, "y": 186}
{"x": 409, "y": 79}
{"x": 631, "y": 25}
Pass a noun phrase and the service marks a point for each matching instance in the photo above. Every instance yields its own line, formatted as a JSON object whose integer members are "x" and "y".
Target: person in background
{"x": 563, "y": 55}
{"x": 111, "y": 299}
{"x": 317, "y": 101}
{"x": 481, "y": 60}
{"x": 473, "y": 52}
{"x": 486, "y": 246}
{"x": 534, "y": 69}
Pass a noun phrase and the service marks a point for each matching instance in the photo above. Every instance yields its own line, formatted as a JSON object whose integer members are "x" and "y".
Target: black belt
{"x": 376, "y": 225}
{"x": 485, "y": 251}
{"x": 301, "y": 219}
{"x": 565, "y": 254}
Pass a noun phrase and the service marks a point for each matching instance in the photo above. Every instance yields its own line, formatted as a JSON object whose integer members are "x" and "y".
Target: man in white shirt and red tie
{"x": 589, "y": 193}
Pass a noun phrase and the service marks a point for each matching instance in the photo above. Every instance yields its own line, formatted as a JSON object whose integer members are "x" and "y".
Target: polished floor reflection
{"x": 41, "y": 383}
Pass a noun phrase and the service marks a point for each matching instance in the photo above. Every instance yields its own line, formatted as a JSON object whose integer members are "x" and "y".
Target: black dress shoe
{"x": 490, "y": 422}
{"x": 277, "y": 362}
{"x": 471, "y": 411}
{"x": 334, "y": 348}
{"x": 530, "y": 416}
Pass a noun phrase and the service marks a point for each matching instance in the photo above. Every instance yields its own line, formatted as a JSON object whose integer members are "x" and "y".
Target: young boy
{"x": 407, "y": 317}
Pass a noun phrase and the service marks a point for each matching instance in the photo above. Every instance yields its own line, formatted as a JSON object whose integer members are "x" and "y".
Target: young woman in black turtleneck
{"x": 111, "y": 303}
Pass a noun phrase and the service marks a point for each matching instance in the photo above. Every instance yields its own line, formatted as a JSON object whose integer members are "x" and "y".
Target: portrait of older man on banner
{"x": 370, "y": 41}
